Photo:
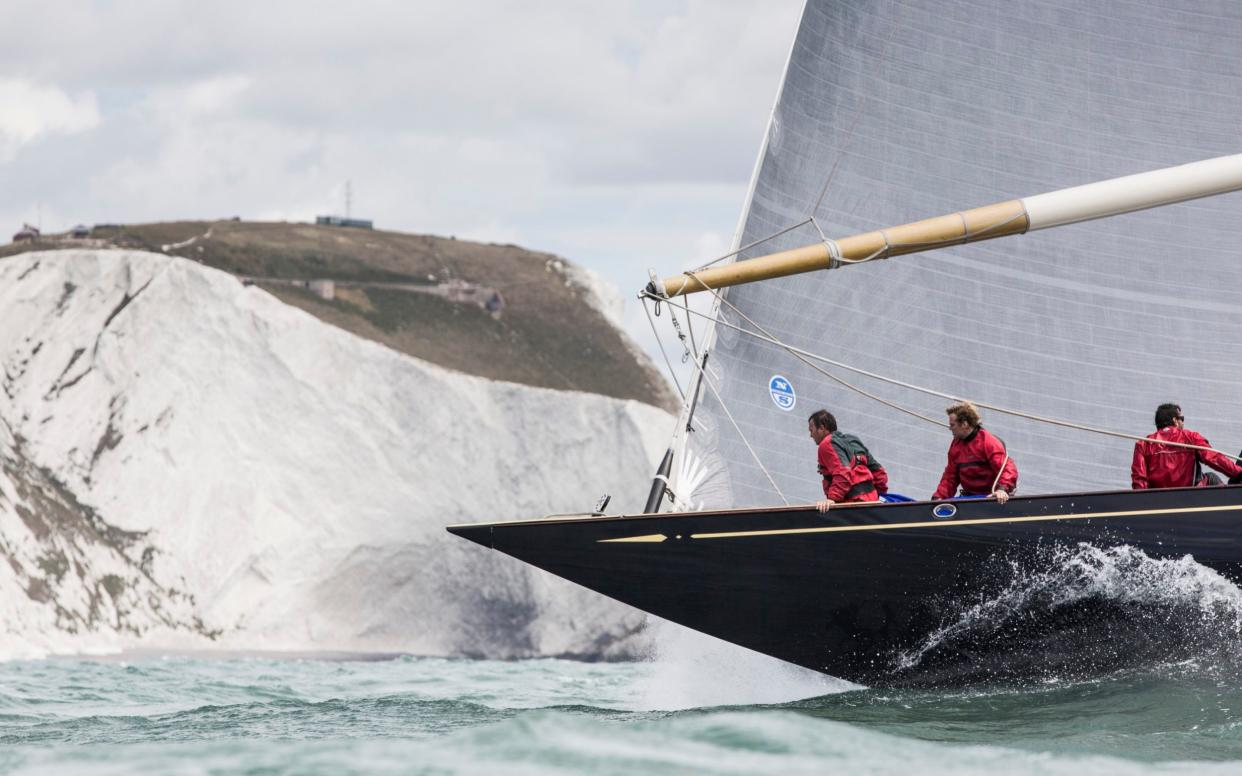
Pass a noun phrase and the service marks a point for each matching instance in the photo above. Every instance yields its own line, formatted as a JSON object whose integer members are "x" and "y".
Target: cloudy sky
{"x": 620, "y": 135}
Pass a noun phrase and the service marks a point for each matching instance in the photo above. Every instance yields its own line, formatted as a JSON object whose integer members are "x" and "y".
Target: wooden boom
{"x": 1066, "y": 206}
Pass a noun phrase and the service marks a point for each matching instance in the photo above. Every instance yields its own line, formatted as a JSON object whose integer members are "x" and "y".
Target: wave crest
{"x": 1079, "y": 610}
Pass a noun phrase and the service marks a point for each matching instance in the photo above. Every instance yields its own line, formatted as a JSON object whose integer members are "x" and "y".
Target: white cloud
{"x": 29, "y": 111}
{"x": 206, "y": 98}
{"x": 620, "y": 135}
{"x": 708, "y": 247}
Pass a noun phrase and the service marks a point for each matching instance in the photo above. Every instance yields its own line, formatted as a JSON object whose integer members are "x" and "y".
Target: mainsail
{"x": 893, "y": 111}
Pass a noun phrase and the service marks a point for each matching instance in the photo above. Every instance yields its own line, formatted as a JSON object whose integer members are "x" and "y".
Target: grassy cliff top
{"x": 548, "y": 334}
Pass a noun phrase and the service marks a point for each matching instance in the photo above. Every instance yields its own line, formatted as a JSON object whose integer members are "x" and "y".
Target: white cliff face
{"x": 291, "y": 480}
{"x": 69, "y": 580}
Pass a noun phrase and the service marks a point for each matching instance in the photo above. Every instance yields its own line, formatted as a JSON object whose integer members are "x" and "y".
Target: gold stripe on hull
{"x": 645, "y": 538}
{"x": 951, "y": 523}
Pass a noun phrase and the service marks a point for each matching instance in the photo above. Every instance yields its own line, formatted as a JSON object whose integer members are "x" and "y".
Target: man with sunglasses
{"x": 1158, "y": 465}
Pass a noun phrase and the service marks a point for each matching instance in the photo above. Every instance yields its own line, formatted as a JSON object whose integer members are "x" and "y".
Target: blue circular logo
{"x": 944, "y": 511}
{"x": 782, "y": 393}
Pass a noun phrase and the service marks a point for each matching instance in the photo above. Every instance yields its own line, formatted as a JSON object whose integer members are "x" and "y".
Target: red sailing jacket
{"x": 847, "y": 471}
{"x": 973, "y": 464}
{"x": 1164, "y": 466}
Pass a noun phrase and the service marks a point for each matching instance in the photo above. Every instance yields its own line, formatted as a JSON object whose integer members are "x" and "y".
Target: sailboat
{"x": 1122, "y": 294}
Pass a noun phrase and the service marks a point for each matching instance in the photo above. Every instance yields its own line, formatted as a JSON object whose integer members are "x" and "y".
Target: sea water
{"x": 696, "y": 706}
{"x": 411, "y": 715}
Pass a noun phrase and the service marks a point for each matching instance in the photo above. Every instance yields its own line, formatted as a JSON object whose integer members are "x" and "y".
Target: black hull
{"x": 856, "y": 591}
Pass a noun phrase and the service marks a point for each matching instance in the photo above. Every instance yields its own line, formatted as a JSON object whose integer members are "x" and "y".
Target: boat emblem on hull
{"x": 944, "y": 511}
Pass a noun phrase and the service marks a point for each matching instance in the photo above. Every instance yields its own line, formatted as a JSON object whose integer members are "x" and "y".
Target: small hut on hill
{"x": 27, "y": 233}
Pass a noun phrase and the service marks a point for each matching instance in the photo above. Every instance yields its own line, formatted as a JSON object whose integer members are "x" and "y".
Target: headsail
{"x": 917, "y": 107}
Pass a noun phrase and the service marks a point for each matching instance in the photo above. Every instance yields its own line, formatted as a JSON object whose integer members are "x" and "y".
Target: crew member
{"x": 1165, "y": 466}
{"x": 850, "y": 471}
{"x": 976, "y": 457}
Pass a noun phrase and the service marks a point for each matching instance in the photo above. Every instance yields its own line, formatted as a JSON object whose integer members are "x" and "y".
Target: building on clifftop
{"x": 359, "y": 223}
{"x": 27, "y": 233}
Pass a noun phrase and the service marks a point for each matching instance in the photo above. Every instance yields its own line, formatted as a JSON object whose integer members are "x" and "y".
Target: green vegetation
{"x": 53, "y": 563}
{"x": 547, "y": 335}
{"x": 114, "y": 585}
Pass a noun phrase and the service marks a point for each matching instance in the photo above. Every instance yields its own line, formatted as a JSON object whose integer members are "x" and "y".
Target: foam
{"x": 690, "y": 670}
{"x": 1136, "y": 607}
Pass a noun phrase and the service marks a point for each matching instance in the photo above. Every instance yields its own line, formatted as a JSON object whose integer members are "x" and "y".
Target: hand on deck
{"x": 823, "y": 506}
{"x": 1001, "y": 496}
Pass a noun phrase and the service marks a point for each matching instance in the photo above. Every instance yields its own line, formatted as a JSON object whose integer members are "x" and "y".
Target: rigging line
{"x": 840, "y": 153}
{"x": 839, "y": 259}
{"x": 704, "y": 378}
{"x": 694, "y": 348}
{"x": 681, "y": 335}
{"x": 817, "y": 368}
{"x": 1001, "y": 471}
{"x": 750, "y": 245}
{"x": 832, "y": 174}
{"x": 848, "y": 384}
{"x": 660, "y": 342}
{"x": 994, "y": 407}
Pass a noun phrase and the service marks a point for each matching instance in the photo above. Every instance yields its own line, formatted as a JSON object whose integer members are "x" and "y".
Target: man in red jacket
{"x": 976, "y": 456}
{"x": 849, "y": 470}
{"x": 1165, "y": 466}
